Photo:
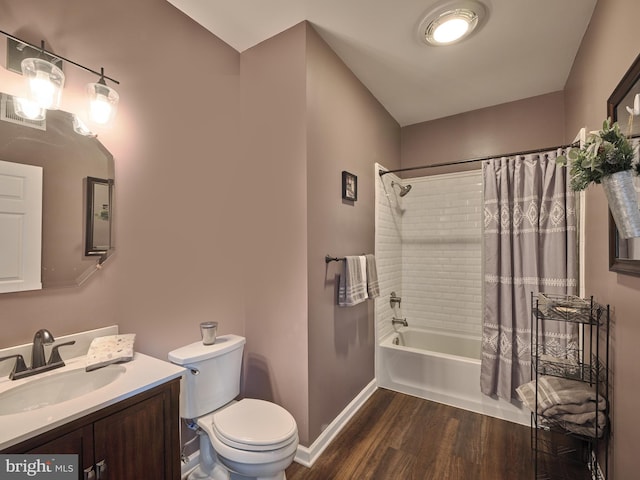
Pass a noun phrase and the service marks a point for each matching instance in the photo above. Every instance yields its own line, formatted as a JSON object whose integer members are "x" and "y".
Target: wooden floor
{"x": 399, "y": 437}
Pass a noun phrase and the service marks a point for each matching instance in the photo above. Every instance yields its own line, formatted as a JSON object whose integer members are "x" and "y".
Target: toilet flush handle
{"x": 194, "y": 371}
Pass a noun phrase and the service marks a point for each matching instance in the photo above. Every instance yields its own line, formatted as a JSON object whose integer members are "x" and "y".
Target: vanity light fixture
{"x": 45, "y": 82}
{"x": 43, "y": 70}
{"x": 103, "y": 101}
{"x": 28, "y": 109}
{"x": 451, "y": 21}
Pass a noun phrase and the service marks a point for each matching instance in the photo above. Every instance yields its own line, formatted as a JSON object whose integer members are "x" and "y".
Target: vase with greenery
{"x": 607, "y": 158}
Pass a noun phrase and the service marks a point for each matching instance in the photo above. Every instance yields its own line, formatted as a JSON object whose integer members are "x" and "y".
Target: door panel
{"x": 20, "y": 227}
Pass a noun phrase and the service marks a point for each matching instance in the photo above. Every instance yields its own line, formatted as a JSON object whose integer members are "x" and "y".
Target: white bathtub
{"x": 442, "y": 368}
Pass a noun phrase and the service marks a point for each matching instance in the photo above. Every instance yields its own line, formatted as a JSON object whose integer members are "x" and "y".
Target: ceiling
{"x": 524, "y": 47}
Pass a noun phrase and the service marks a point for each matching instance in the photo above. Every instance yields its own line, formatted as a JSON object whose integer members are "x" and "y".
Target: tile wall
{"x": 429, "y": 250}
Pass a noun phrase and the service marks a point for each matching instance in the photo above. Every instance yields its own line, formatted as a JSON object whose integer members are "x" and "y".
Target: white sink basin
{"x": 55, "y": 388}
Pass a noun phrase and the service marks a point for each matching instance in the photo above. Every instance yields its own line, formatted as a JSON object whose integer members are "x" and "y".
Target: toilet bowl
{"x": 253, "y": 438}
{"x": 247, "y": 439}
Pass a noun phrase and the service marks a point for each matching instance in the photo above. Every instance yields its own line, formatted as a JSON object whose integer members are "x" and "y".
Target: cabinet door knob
{"x": 89, "y": 474}
{"x": 101, "y": 468}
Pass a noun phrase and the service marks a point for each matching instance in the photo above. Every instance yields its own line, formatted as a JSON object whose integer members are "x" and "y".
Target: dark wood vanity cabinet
{"x": 137, "y": 438}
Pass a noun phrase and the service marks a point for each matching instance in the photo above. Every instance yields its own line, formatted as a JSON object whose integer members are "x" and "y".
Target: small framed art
{"x": 349, "y": 186}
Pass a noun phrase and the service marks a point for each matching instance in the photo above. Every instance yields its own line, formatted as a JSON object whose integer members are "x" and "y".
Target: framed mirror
{"x": 624, "y": 255}
{"x": 98, "y": 223}
{"x": 67, "y": 160}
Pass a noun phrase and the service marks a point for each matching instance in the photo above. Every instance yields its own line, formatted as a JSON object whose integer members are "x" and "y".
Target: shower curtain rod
{"x": 473, "y": 160}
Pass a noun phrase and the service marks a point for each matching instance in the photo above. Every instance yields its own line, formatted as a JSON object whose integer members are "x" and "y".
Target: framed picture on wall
{"x": 349, "y": 186}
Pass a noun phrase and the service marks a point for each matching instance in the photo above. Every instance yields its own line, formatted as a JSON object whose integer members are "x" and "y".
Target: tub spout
{"x": 399, "y": 321}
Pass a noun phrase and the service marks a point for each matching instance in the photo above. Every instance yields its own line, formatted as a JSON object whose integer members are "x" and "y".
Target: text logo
{"x": 49, "y": 467}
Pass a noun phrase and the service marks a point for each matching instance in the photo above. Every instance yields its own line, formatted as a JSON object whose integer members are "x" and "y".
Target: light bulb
{"x": 450, "y": 30}
{"x": 42, "y": 90}
{"x": 103, "y": 102}
{"x": 28, "y": 109}
{"x": 100, "y": 110}
{"x": 45, "y": 82}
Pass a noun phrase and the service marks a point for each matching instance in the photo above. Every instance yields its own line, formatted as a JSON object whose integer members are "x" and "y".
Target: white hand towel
{"x": 353, "y": 288}
{"x": 373, "y": 288}
{"x": 363, "y": 273}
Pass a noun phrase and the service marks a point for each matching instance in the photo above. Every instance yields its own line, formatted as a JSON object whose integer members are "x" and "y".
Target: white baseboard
{"x": 308, "y": 455}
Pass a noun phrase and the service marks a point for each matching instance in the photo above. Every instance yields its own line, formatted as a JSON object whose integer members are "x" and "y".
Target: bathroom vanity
{"x": 127, "y": 429}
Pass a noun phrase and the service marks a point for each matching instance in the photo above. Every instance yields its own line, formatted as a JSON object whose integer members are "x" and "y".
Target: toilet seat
{"x": 254, "y": 425}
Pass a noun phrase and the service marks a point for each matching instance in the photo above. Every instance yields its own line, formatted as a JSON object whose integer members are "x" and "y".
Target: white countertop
{"x": 142, "y": 373}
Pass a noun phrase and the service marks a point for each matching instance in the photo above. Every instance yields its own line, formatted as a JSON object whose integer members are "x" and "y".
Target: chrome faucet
{"x": 399, "y": 321}
{"x": 38, "y": 364}
{"x": 40, "y": 339}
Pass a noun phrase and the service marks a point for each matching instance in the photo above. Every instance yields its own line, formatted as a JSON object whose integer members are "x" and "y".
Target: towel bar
{"x": 329, "y": 258}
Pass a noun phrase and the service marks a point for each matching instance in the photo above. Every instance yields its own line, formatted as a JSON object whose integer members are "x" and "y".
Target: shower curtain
{"x": 530, "y": 241}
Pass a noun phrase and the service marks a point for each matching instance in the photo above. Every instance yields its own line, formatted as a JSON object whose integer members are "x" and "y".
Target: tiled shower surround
{"x": 429, "y": 251}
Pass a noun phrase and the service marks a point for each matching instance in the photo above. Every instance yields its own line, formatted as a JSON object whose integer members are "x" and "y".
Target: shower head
{"x": 403, "y": 189}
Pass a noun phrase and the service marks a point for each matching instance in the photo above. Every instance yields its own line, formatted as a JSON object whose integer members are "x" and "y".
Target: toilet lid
{"x": 252, "y": 424}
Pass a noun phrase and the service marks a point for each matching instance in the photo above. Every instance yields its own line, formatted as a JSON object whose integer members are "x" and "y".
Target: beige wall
{"x": 532, "y": 123}
{"x": 347, "y": 130}
{"x": 610, "y": 45}
{"x": 195, "y": 199}
{"x": 273, "y": 188}
{"x": 175, "y": 149}
{"x": 217, "y": 193}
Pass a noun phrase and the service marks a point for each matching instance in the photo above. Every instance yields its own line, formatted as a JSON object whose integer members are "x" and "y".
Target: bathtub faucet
{"x": 394, "y": 300}
{"x": 399, "y": 321}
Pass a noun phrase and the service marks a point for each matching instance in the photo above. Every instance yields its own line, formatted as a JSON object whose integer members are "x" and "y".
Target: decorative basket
{"x": 623, "y": 203}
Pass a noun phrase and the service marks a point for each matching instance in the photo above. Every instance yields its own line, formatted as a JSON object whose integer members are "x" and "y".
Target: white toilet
{"x": 245, "y": 439}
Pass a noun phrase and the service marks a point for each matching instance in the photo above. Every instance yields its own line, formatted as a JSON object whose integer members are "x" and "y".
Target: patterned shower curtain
{"x": 530, "y": 242}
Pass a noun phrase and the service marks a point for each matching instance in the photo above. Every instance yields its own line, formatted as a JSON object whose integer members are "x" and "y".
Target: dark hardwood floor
{"x": 400, "y": 437}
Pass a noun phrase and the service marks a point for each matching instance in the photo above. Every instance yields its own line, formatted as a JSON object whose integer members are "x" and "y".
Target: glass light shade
{"x": 45, "y": 82}
{"x": 25, "y": 108}
{"x": 451, "y": 26}
{"x": 81, "y": 128}
{"x": 103, "y": 102}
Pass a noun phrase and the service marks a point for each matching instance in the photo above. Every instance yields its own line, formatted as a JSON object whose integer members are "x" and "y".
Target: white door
{"x": 20, "y": 227}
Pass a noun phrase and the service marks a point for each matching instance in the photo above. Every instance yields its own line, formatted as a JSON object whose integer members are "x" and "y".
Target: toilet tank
{"x": 213, "y": 374}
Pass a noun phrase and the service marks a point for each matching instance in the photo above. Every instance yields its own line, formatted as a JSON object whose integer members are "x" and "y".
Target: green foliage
{"x": 604, "y": 153}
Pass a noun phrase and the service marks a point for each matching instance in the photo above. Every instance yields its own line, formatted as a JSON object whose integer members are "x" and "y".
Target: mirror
{"x": 624, "y": 255}
{"x": 71, "y": 163}
{"x": 98, "y": 224}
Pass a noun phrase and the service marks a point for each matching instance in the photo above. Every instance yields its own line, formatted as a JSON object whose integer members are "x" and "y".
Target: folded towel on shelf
{"x": 588, "y": 429}
{"x": 559, "y": 392}
{"x": 587, "y": 419}
{"x": 373, "y": 288}
{"x": 352, "y": 289}
{"x": 110, "y": 349}
{"x": 571, "y": 404}
{"x": 576, "y": 408}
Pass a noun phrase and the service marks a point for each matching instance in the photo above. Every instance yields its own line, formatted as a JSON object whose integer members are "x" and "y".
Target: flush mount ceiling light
{"x": 451, "y": 21}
